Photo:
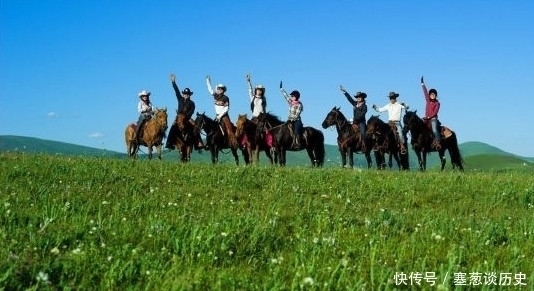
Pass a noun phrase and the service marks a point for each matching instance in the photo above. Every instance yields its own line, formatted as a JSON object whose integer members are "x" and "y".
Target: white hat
{"x": 144, "y": 93}
{"x": 260, "y": 87}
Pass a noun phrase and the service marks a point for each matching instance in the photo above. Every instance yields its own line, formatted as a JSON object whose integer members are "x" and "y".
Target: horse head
{"x": 410, "y": 119}
{"x": 373, "y": 124}
{"x": 240, "y": 124}
{"x": 160, "y": 117}
{"x": 334, "y": 117}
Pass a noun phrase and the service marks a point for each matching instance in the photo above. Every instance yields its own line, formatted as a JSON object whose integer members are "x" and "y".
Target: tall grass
{"x": 114, "y": 224}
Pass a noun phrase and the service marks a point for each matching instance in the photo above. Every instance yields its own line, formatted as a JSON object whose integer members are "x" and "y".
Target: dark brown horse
{"x": 422, "y": 140}
{"x": 152, "y": 134}
{"x": 313, "y": 139}
{"x": 215, "y": 139}
{"x": 184, "y": 139}
{"x": 248, "y": 138}
{"x": 348, "y": 140}
{"x": 384, "y": 141}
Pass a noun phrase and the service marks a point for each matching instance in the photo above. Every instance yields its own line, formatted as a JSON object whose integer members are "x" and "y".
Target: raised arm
{"x": 250, "y": 90}
{"x": 425, "y": 91}
{"x": 175, "y": 87}
{"x": 347, "y": 95}
{"x": 208, "y": 83}
{"x": 284, "y": 93}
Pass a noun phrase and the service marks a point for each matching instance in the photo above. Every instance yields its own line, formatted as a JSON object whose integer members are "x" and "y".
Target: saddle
{"x": 227, "y": 129}
{"x": 302, "y": 140}
{"x": 445, "y": 131}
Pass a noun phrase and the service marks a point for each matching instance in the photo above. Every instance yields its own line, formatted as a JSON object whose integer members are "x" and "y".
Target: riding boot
{"x": 170, "y": 138}
{"x": 436, "y": 144}
{"x": 402, "y": 148}
{"x": 296, "y": 143}
{"x": 232, "y": 141}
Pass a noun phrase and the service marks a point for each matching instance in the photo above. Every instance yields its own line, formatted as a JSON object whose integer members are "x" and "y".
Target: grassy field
{"x": 75, "y": 223}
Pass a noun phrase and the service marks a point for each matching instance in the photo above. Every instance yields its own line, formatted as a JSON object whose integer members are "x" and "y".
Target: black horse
{"x": 348, "y": 140}
{"x": 215, "y": 139}
{"x": 313, "y": 139}
{"x": 422, "y": 139}
{"x": 384, "y": 141}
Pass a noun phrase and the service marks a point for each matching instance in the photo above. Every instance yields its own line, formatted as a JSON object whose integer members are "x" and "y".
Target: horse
{"x": 184, "y": 139}
{"x": 313, "y": 140}
{"x": 384, "y": 141}
{"x": 152, "y": 134}
{"x": 246, "y": 134}
{"x": 348, "y": 140}
{"x": 215, "y": 139}
{"x": 422, "y": 142}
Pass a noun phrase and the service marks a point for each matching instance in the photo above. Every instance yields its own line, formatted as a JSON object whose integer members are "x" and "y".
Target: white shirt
{"x": 257, "y": 101}
{"x": 394, "y": 110}
{"x": 143, "y": 108}
{"x": 220, "y": 109}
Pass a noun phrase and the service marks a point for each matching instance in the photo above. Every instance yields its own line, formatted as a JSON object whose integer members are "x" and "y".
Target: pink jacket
{"x": 432, "y": 106}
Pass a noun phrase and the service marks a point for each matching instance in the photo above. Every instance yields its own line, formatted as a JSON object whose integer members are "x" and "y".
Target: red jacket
{"x": 432, "y": 106}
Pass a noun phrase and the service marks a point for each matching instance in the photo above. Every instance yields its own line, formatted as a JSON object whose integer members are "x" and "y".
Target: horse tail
{"x": 454, "y": 152}
{"x": 319, "y": 148}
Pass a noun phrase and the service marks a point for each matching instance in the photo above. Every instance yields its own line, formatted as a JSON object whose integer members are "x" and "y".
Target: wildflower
{"x": 224, "y": 234}
{"x": 308, "y": 281}
{"x": 110, "y": 258}
{"x": 344, "y": 262}
{"x": 42, "y": 276}
{"x": 54, "y": 251}
{"x": 76, "y": 251}
{"x": 105, "y": 202}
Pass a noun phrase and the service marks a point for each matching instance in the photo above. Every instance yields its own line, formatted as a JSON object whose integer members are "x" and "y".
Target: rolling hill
{"x": 477, "y": 155}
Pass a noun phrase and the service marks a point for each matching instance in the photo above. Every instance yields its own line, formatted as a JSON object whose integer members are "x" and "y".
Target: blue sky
{"x": 70, "y": 70}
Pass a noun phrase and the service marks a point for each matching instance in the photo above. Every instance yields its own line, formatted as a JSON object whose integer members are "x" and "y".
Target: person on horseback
{"x": 145, "y": 110}
{"x": 394, "y": 110}
{"x": 431, "y": 112}
{"x": 295, "y": 109}
{"x": 222, "y": 105}
{"x": 360, "y": 109}
{"x": 258, "y": 102}
{"x": 186, "y": 106}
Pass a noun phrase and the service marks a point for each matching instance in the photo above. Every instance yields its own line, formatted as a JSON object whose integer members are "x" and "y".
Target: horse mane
{"x": 272, "y": 118}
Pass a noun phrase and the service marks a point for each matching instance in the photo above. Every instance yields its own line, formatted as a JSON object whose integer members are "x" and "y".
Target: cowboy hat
{"x": 144, "y": 93}
{"x": 222, "y": 86}
{"x": 392, "y": 95}
{"x": 187, "y": 91}
{"x": 360, "y": 94}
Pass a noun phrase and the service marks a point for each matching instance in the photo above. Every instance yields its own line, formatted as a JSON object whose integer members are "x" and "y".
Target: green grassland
{"x": 101, "y": 223}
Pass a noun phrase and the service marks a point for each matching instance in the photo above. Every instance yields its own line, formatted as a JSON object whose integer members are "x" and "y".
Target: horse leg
{"x": 368, "y": 159}
{"x": 236, "y": 157}
{"x": 343, "y": 158}
{"x": 159, "y": 151}
{"x": 351, "y": 158}
{"x": 419, "y": 159}
{"x": 214, "y": 154}
{"x": 424, "y": 160}
{"x": 313, "y": 157}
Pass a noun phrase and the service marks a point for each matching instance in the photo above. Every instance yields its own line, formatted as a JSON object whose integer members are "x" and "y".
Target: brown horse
{"x": 246, "y": 134}
{"x": 152, "y": 134}
{"x": 184, "y": 139}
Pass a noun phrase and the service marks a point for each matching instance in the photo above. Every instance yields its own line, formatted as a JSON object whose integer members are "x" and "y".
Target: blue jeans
{"x": 434, "y": 124}
{"x": 298, "y": 127}
{"x": 362, "y": 130}
{"x": 399, "y": 130}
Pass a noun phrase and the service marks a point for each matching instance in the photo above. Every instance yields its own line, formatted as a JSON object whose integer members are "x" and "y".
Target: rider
{"x": 145, "y": 110}
{"x": 222, "y": 105}
{"x": 186, "y": 106}
{"x": 360, "y": 109}
{"x": 394, "y": 110}
{"x": 431, "y": 112}
{"x": 258, "y": 102}
{"x": 295, "y": 109}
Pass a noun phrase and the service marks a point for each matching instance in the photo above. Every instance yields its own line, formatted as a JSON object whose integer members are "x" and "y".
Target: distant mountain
{"x": 473, "y": 148}
{"x": 36, "y": 145}
{"x": 477, "y": 155}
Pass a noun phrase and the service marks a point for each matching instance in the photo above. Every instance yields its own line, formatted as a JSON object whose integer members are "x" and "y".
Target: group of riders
{"x": 258, "y": 103}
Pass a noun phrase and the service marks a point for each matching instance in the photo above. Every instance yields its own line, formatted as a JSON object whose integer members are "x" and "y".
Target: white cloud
{"x": 51, "y": 114}
{"x": 96, "y": 135}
